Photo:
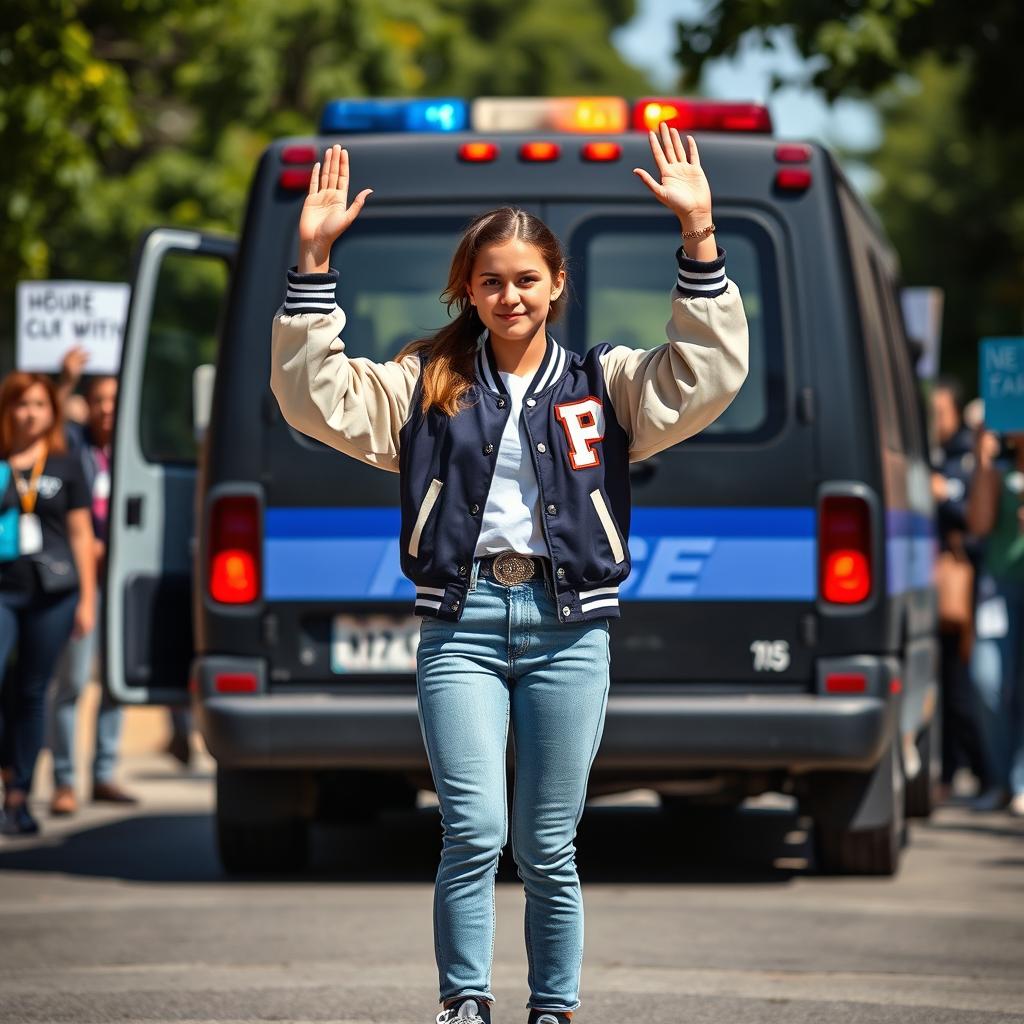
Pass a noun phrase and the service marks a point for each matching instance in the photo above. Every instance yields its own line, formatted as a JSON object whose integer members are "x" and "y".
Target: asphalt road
{"x": 124, "y": 915}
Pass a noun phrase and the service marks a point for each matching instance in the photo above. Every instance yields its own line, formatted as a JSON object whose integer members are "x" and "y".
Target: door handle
{"x": 133, "y": 510}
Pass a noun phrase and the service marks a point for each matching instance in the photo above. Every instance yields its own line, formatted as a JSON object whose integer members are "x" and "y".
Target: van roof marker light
{"x": 539, "y": 152}
{"x": 700, "y": 115}
{"x": 441, "y": 114}
{"x": 478, "y": 152}
{"x": 601, "y": 152}
{"x": 570, "y": 114}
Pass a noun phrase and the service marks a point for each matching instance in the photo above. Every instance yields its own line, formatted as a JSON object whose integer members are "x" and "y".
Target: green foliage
{"x": 945, "y": 75}
{"x": 116, "y": 115}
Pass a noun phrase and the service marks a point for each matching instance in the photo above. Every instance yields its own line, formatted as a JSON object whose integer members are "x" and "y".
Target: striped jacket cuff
{"x": 311, "y": 293}
{"x": 703, "y": 278}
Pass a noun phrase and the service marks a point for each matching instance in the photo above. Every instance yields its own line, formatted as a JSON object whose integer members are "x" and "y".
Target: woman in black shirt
{"x": 49, "y": 589}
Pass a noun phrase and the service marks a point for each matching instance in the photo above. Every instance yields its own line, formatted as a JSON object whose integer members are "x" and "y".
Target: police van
{"x": 778, "y": 631}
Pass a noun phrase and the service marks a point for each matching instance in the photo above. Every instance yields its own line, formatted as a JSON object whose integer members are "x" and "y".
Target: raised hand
{"x": 326, "y": 213}
{"x": 683, "y": 187}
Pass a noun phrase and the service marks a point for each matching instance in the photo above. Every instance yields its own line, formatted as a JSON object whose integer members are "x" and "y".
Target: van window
{"x": 391, "y": 277}
{"x": 622, "y": 275}
{"x": 904, "y": 380}
{"x": 182, "y": 335}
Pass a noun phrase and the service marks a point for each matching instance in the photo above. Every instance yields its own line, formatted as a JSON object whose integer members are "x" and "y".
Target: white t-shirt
{"x": 511, "y": 520}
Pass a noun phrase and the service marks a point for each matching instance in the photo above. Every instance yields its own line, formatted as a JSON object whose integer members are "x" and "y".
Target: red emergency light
{"x": 700, "y": 115}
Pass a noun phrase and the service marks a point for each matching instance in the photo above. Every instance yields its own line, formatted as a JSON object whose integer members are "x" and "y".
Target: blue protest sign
{"x": 1001, "y": 376}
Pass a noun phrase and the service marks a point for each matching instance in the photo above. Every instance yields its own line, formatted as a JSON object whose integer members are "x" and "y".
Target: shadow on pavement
{"x": 615, "y": 844}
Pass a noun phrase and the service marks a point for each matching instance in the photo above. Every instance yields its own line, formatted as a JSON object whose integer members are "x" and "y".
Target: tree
{"x": 116, "y": 116}
{"x": 944, "y": 74}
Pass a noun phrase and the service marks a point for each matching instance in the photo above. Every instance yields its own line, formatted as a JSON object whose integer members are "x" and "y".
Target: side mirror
{"x": 202, "y": 399}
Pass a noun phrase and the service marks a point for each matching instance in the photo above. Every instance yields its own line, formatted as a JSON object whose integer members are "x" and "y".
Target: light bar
{"x": 588, "y": 114}
{"x": 700, "y": 115}
{"x": 405, "y": 115}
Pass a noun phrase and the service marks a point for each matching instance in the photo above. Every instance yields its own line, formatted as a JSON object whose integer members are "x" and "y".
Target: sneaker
{"x": 469, "y": 1010}
{"x": 548, "y": 1017}
{"x": 18, "y": 821}
{"x": 1016, "y": 807}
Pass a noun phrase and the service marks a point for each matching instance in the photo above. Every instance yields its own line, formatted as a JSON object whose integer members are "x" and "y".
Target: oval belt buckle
{"x": 512, "y": 569}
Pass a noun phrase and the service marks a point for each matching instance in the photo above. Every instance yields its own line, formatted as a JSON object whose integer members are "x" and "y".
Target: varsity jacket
{"x": 585, "y": 419}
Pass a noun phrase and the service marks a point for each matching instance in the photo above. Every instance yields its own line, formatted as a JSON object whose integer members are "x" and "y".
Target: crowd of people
{"x": 978, "y": 485}
{"x": 55, "y": 447}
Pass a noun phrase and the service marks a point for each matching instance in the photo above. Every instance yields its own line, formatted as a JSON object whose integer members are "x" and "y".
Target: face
{"x": 32, "y": 415}
{"x": 947, "y": 421}
{"x": 512, "y": 290}
{"x": 102, "y": 399}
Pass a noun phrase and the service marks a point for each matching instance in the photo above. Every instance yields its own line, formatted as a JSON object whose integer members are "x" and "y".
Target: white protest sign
{"x": 53, "y": 316}
{"x": 922, "y": 315}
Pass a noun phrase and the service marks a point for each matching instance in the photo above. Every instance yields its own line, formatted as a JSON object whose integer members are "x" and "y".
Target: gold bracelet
{"x": 699, "y": 233}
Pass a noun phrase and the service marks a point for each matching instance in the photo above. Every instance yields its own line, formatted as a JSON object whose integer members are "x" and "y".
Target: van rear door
{"x": 170, "y": 344}
{"x": 722, "y": 537}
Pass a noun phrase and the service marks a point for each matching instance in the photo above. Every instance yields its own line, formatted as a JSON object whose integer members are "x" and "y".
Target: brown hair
{"x": 448, "y": 373}
{"x": 11, "y": 391}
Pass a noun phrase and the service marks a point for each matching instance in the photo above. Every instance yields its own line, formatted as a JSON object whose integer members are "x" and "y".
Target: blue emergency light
{"x": 395, "y": 115}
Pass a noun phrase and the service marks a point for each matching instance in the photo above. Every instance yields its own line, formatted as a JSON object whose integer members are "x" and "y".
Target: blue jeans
{"x": 39, "y": 626}
{"x": 997, "y": 669}
{"x": 509, "y": 661}
{"x": 73, "y": 672}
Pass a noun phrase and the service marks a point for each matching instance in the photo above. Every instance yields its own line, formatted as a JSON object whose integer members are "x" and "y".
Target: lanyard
{"x": 28, "y": 493}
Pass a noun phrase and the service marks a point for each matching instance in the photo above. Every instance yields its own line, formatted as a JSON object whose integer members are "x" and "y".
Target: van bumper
{"x": 798, "y": 733}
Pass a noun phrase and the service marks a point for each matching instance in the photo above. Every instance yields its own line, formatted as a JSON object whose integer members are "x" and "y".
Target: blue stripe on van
{"x": 678, "y": 554}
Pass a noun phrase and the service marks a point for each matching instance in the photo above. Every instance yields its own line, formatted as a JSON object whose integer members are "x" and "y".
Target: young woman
{"x": 514, "y": 459}
{"x": 49, "y": 590}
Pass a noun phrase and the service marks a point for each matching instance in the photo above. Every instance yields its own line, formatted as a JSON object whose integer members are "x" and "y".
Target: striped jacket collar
{"x": 555, "y": 360}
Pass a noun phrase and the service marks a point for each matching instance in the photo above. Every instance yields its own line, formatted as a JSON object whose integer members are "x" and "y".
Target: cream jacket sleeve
{"x": 665, "y": 394}
{"x": 353, "y": 404}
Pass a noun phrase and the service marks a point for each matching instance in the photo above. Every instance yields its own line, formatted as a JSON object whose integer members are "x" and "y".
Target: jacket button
{"x": 455, "y": 606}
{"x": 462, "y": 570}
{"x": 551, "y": 509}
{"x": 501, "y": 403}
{"x": 560, "y": 573}
{"x": 566, "y": 612}
{"x": 542, "y": 447}
{"x": 488, "y": 448}
{"x": 531, "y": 402}
{"x": 474, "y": 510}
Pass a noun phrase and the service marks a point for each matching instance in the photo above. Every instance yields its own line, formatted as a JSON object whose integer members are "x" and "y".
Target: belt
{"x": 511, "y": 568}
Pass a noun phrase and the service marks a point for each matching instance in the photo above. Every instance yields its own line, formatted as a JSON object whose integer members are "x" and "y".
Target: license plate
{"x": 374, "y": 643}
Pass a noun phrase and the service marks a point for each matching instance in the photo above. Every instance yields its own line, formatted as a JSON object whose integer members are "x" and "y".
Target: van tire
{"x": 841, "y": 848}
{"x": 921, "y": 788}
{"x": 264, "y": 848}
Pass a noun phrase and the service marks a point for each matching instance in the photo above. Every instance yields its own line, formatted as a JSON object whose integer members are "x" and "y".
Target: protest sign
{"x": 53, "y": 316}
{"x": 1001, "y": 377}
{"x": 922, "y": 317}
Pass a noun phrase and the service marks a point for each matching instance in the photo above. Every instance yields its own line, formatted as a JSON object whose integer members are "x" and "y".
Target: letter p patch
{"x": 583, "y": 422}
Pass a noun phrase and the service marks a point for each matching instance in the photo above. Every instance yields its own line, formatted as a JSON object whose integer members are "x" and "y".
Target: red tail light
{"x": 846, "y": 682}
{"x": 792, "y": 179}
{"x": 234, "y": 549}
{"x": 792, "y": 153}
{"x": 236, "y": 682}
{"x": 298, "y": 155}
{"x": 844, "y": 549}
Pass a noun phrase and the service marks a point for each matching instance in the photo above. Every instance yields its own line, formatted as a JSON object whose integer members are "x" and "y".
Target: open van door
{"x": 170, "y": 344}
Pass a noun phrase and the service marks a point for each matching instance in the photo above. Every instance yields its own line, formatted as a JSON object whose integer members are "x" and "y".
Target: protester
{"x": 92, "y": 445}
{"x": 48, "y": 590}
{"x": 995, "y": 510}
{"x": 516, "y": 555}
{"x": 953, "y": 461}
